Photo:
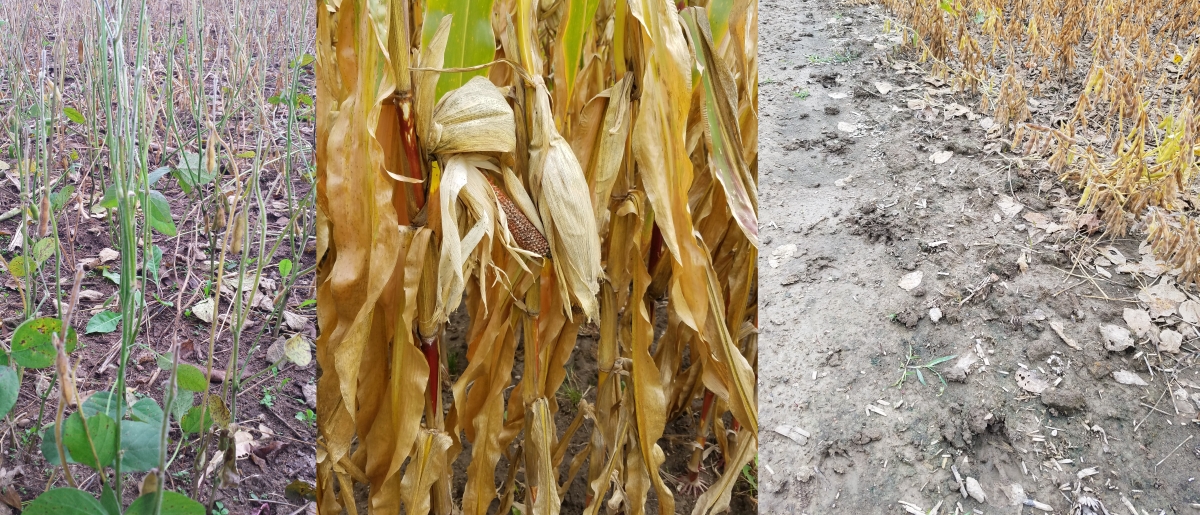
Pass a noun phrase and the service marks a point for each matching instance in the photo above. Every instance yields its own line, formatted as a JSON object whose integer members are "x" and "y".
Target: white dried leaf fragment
{"x": 1129, "y": 378}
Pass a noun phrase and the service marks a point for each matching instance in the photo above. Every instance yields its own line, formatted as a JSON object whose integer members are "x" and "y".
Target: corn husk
{"x": 473, "y": 118}
{"x": 563, "y": 201}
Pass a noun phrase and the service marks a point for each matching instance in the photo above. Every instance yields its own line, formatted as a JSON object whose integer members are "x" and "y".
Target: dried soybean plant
{"x": 554, "y": 165}
{"x": 1129, "y": 134}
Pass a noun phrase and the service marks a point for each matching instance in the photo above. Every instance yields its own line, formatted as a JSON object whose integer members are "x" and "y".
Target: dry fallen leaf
{"x": 107, "y": 254}
{"x": 796, "y": 434}
{"x": 883, "y": 87}
{"x": 204, "y": 310}
{"x": 847, "y": 127}
{"x": 1009, "y": 206}
{"x": 1138, "y": 320}
{"x": 1189, "y": 311}
{"x": 91, "y": 295}
{"x": 1042, "y": 222}
{"x": 1162, "y": 298}
{"x": 1130, "y": 378}
{"x": 310, "y": 394}
{"x": 1031, "y": 381}
{"x": 1116, "y": 338}
{"x": 277, "y": 351}
{"x": 781, "y": 255}
{"x": 1169, "y": 341}
{"x": 298, "y": 350}
{"x": 911, "y": 280}
{"x": 955, "y": 110}
{"x": 293, "y": 321}
{"x": 1113, "y": 255}
{"x": 941, "y": 157}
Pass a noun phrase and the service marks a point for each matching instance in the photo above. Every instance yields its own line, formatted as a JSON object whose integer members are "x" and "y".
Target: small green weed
{"x": 307, "y": 416}
{"x": 910, "y": 369}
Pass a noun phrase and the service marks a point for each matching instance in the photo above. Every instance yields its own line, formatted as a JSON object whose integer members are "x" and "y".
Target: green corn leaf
{"x": 471, "y": 32}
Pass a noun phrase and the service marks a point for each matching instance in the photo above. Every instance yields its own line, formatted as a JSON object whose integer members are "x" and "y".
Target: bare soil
{"x": 851, "y": 203}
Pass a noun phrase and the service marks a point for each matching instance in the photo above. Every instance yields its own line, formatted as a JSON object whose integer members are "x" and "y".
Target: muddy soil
{"x": 852, "y": 207}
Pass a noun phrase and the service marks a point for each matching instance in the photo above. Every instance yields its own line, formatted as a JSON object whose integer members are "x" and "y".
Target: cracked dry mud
{"x": 851, "y": 203}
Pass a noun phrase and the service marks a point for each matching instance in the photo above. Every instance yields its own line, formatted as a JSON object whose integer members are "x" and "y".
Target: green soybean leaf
{"x": 153, "y": 262}
{"x": 108, "y": 499}
{"x": 182, "y": 403}
{"x": 190, "y": 172}
{"x": 164, "y": 361}
{"x": 139, "y": 445}
{"x": 9, "y": 386}
{"x": 49, "y": 450}
{"x": 103, "y": 432}
{"x": 18, "y": 267}
{"x": 31, "y": 344}
{"x": 190, "y": 423}
{"x": 471, "y": 32}
{"x": 65, "y": 501}
{"x": 110, "y": 197}
{"x": 146, "y": 410}
{"x": 115, "y": 277}
{"x": 172, "y": 504}
{"x": 157, "y": 174}
{"x": 43, "y": 250}
{"x": 158, "y": 214}
{"x": 103, "y": 322}
{"x": 285, "y": 268}
{"x": 59, "y": 199}
{"x": 104, "y": 402}
{"x": 303, "y": 60}
{"x": 190, "y": 378}
{"x": 74, "y": 115}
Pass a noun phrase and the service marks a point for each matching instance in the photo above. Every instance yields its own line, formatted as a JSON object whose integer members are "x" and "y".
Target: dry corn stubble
{"x": 474, "y": 175}
{"x": 1129, "y": 139}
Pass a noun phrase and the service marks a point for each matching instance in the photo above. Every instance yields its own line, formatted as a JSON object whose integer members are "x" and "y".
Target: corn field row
{"x": 552, "y": 168}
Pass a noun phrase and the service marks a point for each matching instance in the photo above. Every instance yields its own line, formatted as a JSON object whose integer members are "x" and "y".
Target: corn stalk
{"x": 543, "y": 168}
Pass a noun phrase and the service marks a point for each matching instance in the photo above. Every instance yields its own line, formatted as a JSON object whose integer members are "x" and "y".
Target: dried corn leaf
{"x": 721, "y": 127}
{"x": 427, "y": 466}
{"x": 355, "y": 198}
{"x": 433, "y": 54}
{"x": 540, "y": 472}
